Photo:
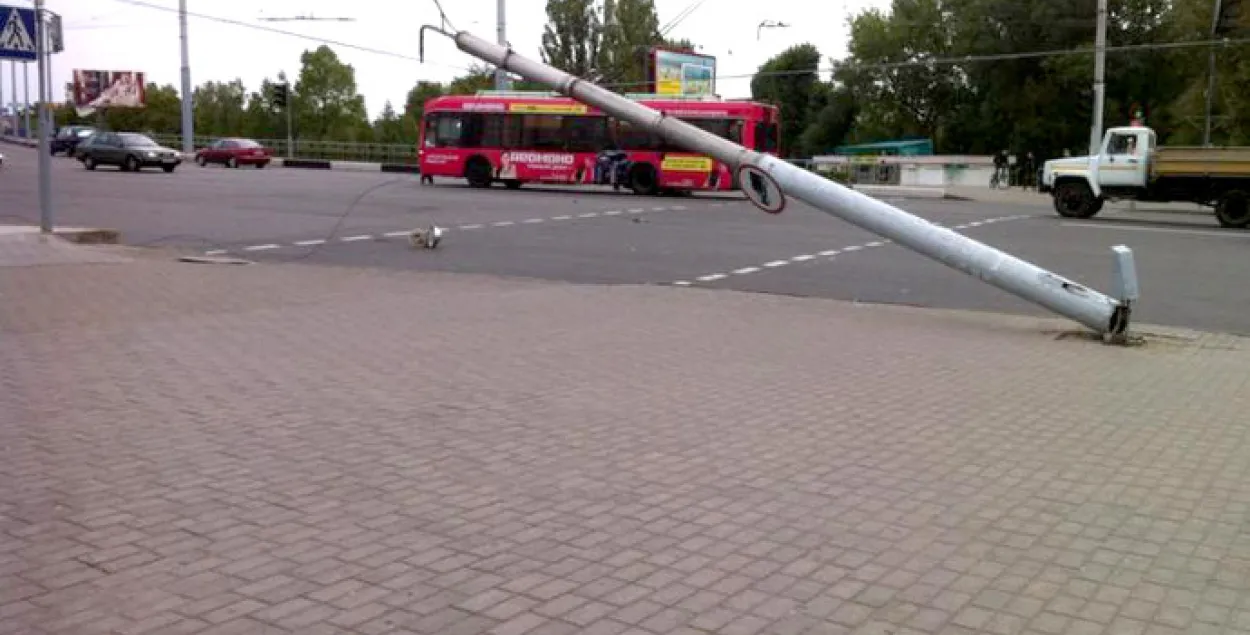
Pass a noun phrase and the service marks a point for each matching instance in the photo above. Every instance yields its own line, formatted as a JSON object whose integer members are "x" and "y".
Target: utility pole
{"x": 1100, "y": 84}
{"x": 188, "y": 132}
{"x": 501, "y": 36}
{"x": 45, "y": 118}
{"x": 1210, "y": 96}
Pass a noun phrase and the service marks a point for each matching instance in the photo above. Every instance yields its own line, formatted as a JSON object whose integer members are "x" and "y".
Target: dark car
{"x": 68, "y": 138}
{"x": 233, "y": 152}
{"x": 130, "y": 151}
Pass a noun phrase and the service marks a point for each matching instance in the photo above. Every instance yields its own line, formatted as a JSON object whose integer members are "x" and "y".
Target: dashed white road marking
{"x": 1165, "y": 230}
{"x": 471, "y": 226}
{"x": 830, "y": 253}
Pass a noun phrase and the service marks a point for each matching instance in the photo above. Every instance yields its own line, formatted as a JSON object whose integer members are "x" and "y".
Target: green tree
{"x": 326, "y": 103}
{"x": 218, "y": 108}
{"x": 631, "y": 29}
{"x": 789, "y": 80}
{"x": 389, "y": 126}
{"x": 833, "y": 113}
{"x": 572, "y": 37}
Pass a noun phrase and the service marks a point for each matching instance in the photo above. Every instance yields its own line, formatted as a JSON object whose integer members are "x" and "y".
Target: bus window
{"x": 632, "y": 137}
{"x": 765, "y": 137}
{"x": 492, "y": 130}
{"x": 586, "y": 133}
{"x": 444, "y": 130}
{"x": 543, "y": 132}
{"x": 730, "y": 129}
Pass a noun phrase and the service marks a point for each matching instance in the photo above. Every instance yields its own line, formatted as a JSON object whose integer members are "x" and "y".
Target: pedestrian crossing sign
{"x": 17, "y": 33}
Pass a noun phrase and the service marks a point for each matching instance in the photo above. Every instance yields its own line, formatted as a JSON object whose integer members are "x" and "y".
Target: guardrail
{"x": 401, "y": 153}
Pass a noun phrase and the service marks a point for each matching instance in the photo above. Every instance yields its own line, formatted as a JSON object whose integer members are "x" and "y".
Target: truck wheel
{"x": 1233, "y": 210}
{"x": 1075, "y": 200}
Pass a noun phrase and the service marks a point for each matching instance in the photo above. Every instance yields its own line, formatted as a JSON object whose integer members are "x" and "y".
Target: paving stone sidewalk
{"x": 302, "y": 449}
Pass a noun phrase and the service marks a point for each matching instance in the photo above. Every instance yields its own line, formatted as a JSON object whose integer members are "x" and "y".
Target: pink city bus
{"x": 518, "y": 137}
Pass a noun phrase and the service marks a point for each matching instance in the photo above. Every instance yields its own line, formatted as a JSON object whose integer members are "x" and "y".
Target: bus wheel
{"x": 478, "y": 172}
{"x": 512, "y": 184}
{"x": 642, "y": 180}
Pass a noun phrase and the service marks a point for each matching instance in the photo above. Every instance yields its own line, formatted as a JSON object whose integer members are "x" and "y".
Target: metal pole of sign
{"x": 26, "y": 96}
{"x": 45, "y": 117}
{"x": 13, "y": 97}
{"x": 767, "y": 180}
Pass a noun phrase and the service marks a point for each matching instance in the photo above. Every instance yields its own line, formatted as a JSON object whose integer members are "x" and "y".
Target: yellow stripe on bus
{"x": 687, "y": 164}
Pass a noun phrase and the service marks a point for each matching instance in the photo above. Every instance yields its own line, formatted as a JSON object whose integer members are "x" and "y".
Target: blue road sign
{"x": 17, "y": 33}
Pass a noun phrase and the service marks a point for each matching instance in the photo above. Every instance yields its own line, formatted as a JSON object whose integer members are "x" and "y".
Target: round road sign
{"x": 761, "y": 189}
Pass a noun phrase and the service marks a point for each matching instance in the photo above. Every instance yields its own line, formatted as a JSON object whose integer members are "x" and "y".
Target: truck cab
{"x": 1129, "y": 165}
{"x": 1121, "y": 169}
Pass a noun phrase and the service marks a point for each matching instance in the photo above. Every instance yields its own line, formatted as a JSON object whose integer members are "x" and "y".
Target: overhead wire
{"x": 846, "y": 65}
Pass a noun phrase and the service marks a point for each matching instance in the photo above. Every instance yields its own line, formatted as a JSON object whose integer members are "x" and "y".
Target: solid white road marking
{"x": 406, "y": 232}
{"x": 1228, "y": 233}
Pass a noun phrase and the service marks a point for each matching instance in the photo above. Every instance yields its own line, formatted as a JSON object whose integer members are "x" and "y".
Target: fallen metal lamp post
{"x": 766, "y": 180}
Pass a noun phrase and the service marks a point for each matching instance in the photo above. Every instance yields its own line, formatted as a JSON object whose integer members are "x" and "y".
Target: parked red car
{"x": 233, "y": 152}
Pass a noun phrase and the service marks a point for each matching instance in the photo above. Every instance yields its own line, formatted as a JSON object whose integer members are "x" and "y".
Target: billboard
{"x": 94, "y": 90}
{"x": 682, "y": 73}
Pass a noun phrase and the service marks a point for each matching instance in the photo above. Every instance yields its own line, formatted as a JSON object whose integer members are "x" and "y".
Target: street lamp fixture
{"x": 769, "y": 24}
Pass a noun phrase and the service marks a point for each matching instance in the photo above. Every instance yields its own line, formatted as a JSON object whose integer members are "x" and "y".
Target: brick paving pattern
{"x": 302, "y": 449}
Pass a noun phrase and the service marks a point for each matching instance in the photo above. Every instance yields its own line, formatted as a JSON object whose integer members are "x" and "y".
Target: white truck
{"x": 1129, "y": 166}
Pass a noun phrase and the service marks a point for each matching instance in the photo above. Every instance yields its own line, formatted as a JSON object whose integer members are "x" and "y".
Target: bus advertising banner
{"x": 94, "y": 90}
{"x": 682, "y": 73}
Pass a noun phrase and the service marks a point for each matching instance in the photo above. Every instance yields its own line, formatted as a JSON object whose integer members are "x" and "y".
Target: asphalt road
{"x": 1191, "y": 270}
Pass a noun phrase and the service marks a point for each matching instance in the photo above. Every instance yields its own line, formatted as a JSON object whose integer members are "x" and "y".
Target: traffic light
{"x": 1230, "y": 18}
{"x": 281, "y": 92}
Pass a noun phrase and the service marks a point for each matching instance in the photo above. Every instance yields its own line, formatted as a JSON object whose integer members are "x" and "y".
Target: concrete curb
{"x": 902, "y": 191}
{"x": 76, "y": 235}
{"x": 347, "y": 166}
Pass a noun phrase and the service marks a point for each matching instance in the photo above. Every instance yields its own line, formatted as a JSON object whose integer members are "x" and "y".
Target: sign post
{"x": 21, "y": 40}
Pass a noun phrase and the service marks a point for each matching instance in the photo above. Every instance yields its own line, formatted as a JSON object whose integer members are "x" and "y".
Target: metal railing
{"x": 320, "y": 150}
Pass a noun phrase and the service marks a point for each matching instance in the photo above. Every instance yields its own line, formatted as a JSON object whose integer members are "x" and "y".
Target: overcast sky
{"x": 118, "y": 35}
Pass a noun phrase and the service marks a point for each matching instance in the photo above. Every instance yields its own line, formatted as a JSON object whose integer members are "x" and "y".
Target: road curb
{"x": 93, "y": 236}
{"x": 348, "y": 166}
{"x": 900, "y": 191}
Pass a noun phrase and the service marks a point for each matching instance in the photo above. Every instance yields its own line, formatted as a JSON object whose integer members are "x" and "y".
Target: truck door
{"x": 1122, "y": 163}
